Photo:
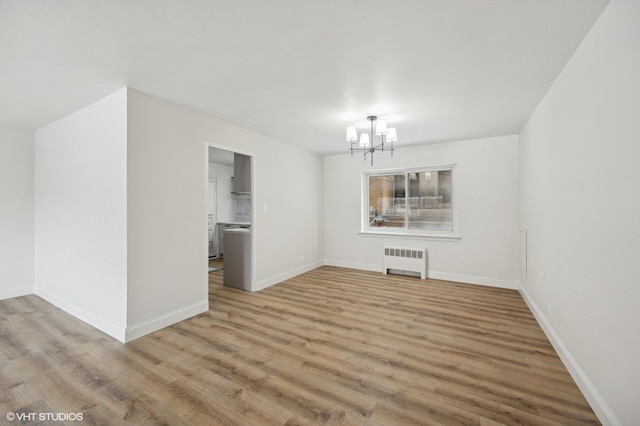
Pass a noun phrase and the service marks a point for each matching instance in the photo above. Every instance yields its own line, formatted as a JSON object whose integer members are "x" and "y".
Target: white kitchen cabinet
{"x": 213, "y": 237}
{"x": 220, "y": 239}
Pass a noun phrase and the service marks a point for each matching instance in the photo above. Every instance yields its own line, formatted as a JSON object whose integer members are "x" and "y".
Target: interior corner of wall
{"x": 154, "y": 324}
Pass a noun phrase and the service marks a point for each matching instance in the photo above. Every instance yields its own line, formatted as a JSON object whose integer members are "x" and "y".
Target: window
{"x": 411, "y": 202}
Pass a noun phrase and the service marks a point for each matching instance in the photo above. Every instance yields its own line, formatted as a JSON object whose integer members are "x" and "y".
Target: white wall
{"x": 485, "y": 193}
{"x": 167, "y": 212}
{"x": 580, "y": 176}
{"x": 80, "y": 214}
{"x": 16, "y": 212}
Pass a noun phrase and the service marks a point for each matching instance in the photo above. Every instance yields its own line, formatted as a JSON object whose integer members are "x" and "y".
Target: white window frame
{"x": 370, "y": 231}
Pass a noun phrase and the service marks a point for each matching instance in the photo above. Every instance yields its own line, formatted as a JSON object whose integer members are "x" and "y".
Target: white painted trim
{"x": 101, "y": 324}
{"x": 396, "y": 170}
{"x": 398, "y": 234}
{"x": 166, "y": 320}
{"x": 471, "y": 279}
{"x": 467, "y": 279}
{"x": 16, "y": 292}
{"x": 353, "y": 265}
{"x": 268, "y": 282}
{"x": 599, "y": 406}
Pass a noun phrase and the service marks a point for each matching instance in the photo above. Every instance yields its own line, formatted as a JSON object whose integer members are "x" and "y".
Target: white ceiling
{"x": 298, "y": 71}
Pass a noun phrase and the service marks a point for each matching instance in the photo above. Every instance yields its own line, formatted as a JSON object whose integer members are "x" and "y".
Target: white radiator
{"x": 405, "y": 259}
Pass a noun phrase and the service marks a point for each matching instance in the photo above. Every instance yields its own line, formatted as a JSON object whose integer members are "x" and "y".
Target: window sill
{"x": 411, "y": 235}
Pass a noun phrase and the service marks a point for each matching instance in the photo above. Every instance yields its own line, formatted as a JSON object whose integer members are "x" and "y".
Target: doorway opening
{"x": 230, "y": 213}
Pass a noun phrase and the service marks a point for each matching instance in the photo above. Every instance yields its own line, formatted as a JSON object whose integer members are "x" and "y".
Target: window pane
{"x": 387, "y": 201}
{"x": 430, "y": 200}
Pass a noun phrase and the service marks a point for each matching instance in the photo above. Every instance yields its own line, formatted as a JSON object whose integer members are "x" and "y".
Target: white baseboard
{"x": 123, "y": 334}
{"x": 468, "y": 279}
{"x": 268, "y": 282}
{"x": 113, "y": 330}
{"x": 599, "y": 406}
{"x": 353, "y": 265}
{"x": 16, "y": 292}
{"x": 166, "y": 320}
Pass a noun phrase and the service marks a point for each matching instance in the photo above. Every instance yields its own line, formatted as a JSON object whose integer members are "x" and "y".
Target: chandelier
{"x": 367, "y": 141}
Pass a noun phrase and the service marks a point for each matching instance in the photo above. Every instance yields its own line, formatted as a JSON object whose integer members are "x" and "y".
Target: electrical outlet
{"x": 548, "y": 307}
{"x": 301, "y": 258}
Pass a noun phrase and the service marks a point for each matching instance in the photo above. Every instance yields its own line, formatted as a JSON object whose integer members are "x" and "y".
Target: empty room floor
{"x": 332, "y": 346}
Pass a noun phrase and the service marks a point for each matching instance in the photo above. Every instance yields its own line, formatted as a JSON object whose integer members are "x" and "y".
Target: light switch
{"x": 266, "y": 207}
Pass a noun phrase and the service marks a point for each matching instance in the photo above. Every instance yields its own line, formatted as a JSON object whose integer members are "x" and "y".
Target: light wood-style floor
{"x": 332, "y": 346}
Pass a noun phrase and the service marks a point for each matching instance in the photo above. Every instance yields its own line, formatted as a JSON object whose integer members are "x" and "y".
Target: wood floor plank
{"x": 333, "y": 346}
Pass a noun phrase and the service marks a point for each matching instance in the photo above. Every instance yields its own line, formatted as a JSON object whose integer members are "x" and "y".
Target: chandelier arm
{"x": 361, "y": 149}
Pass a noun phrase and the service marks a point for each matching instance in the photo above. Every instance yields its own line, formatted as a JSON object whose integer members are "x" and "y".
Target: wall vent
{"x": 405, "y": 259}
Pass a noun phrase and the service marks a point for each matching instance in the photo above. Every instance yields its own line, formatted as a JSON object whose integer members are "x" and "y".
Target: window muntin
{"x": 415, "y": 201}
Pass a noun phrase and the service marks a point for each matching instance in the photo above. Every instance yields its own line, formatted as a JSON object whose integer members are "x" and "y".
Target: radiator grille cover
{"x": 405, "y": 259}
{"x": 397, "y": 252}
